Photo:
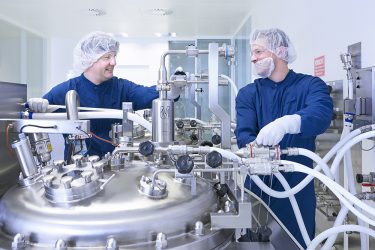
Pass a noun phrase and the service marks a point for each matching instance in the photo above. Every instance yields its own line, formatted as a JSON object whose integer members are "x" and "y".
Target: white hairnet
{"x": 91, "y": 48}
{"x": 276, "y": 41}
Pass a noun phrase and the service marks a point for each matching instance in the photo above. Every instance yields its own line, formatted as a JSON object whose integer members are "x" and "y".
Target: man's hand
{"x": 174, "y": 92}
{"x": 273, "y": 133}
{"x": 38, "y": 105}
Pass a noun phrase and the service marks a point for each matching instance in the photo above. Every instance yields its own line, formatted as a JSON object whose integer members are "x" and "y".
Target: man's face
{"x": 259, "y": 52}
{"x": 104, "y": 66}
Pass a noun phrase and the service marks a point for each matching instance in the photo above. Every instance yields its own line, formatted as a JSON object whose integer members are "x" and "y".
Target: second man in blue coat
{"x": 283, "y": 108}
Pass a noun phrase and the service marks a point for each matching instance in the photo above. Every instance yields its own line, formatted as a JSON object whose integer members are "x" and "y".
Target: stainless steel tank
{"x": 11, "y": 95}
{"x": 119, "y": 213}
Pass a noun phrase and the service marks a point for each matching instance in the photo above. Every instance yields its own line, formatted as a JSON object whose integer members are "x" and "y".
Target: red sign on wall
{"x": 319, "y": 66}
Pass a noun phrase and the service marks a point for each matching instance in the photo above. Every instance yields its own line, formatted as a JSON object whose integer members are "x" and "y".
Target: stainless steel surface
{"x": 79, "y": 127}
{"x": 213, "y": 95}
{"x": 127, "y": 125}
{"x": 365, "y": 93}
{"x": 25, "y": 156}
{"x": 119, "y": 210}
{"x": 74, "y": 183}
{"x": 240, "y": 219}
{"x": 250, "y": 245}
{"x": 11, "y": 96}
{"x": 72, "y": 104}
{"x": 163, "y": 121}
{"x": 41, "y": 147}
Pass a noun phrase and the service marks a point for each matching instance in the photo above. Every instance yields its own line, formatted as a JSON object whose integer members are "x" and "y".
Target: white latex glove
{"x": 273, "y": 133}
{"x": 174, "y": 92}
{"x": 38, "y": 105}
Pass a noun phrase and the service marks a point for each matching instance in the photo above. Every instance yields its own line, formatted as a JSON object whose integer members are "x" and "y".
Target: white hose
{"x": 339, "y": 229}
{"x": 232, "y": 84}
{"x": 112, "y": 114}
{"x": 195, "y": 119}
{"x": 52, "y": 108}
{"x": 326, "y": 158}
{"x": 343, "y": 211}
{"x": 226, "y": 154}
{"x": 346, "y": 147}
{"x": 275, "y": 218}
{"x": 341, "y": 143}
{"x": 140, "y": 120}
{"x": 320, "y": 162}
{"x": 344, "y": 196}
{"x": 296, "y": 210}
{"x": 302, "y": 184}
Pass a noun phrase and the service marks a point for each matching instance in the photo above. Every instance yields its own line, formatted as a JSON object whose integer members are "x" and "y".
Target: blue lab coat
{"x": 264, "y": 101}
{"x": 109, "y": 94}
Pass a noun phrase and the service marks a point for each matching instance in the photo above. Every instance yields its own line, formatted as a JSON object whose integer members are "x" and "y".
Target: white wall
{"x": 22, "y": 57}
{"x": 138, "y": 60}
{"x": 321, "y": 27}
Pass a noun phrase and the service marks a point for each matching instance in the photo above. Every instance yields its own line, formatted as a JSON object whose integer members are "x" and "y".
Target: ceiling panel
{"x": 71, "y": 18}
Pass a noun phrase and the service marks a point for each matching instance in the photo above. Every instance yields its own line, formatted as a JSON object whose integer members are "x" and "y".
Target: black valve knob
{"x": 216, "y": 139}
{"x": 180, "y": 124}
{"x": 194, "y": 137}
{"x": 193, "y": 123}
{"x": 184, "y": 164}
{"x": 207, "y": 143}
{"x": 146, "y": 148}
{"x": 359, "y": 178}
{"x": 214, "y": 159}
{"x": 221, "y": 189}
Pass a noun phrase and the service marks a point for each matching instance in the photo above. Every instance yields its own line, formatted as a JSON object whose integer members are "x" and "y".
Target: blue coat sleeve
{"x": 139, "y": 95}
{"x": 247, "y": 128}
{"x": 316, "y": 115}
{"x": 57, "y": 94}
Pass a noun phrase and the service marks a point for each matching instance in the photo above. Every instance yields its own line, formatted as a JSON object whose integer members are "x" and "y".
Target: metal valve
{"x": 146, "y": 148}
{"x": 184, "y": 164}
{"x": 214, "y": 159}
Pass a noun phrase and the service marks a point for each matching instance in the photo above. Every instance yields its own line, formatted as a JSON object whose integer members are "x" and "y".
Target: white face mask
{"x": 264, "y": 67}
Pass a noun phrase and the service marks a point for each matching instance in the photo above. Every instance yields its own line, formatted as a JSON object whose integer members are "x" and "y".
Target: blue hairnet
{"x": 91, "y": 48}
{"x": 276, "y": 41}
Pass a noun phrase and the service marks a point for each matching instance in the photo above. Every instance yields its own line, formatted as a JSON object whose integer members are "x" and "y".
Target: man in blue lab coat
{"x": 287, "y": 109}
{"x": 95, "y": 56}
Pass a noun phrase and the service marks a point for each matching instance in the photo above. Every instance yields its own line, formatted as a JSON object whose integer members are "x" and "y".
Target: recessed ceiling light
{"x": 96, "y": 12}
{"x": 160, "y": 12}
{"x": 158, "y": 34}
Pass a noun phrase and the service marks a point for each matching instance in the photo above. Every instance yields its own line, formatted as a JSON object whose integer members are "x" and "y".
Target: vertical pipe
{"x": 72, "y": 104}
{"x": 213, "y": 94}
{"x": 127, "y": 125}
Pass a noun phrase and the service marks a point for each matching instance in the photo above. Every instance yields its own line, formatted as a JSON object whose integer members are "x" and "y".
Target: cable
{"x": 89, "y": 137}
{"x": 102, "y": 139}
{"x": 37, "y": 126}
